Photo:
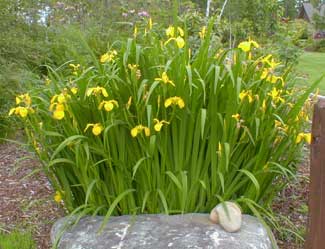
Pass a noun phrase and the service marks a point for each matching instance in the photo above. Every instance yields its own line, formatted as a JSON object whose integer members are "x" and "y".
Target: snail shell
{"x": 228, "y": 215}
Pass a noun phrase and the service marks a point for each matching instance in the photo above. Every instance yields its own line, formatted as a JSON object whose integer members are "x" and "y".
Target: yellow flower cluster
{"x": 21, "y": 111}
{"x": 164, "y": 78}
{"x": 107, "y": 104}
{"x": 24, "y": 103}
{"x": 268, "y": 72}
{"x": 303, "y": 137}
{"x": 108, "y": 57}
{"x": 178, "y": 101}
{"x": 96, "y": 128}
{"x": 138, "y": 129}
{"x": 175, "y": 35}
{"x": 58, "y": 101}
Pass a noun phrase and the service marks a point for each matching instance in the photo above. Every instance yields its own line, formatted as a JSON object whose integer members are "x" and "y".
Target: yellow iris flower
{"x": 268, "y": 75}
{"x": 179, "y": 41}
{"x": 171, "y": 33}
{"x": 236, "y": 116}
{"x": 138, "y": 129}
{"x": 303, "y": 136}
{"x": 248, "y": 94}
{"x": 24, "y": 98}
{"x": 96, "y": 128}
{"x": 175, "y": 101}
{"x": 58, "y": 197}
{"x": 57, "y": 102}
{"x": 108, "y": 57}
{"x": 108, "y": 105}
{"x": 133, "y": 66}
{"x": 272, "y": 64}
{"x": 275, "y": 94}
{"x": 60, "y": 98}
{"x": 21, "y": 111}
{"x": 159, "y": 124}
{"x": 97, "y": 91}
{"x": 202, "y": 33}
{"x": 74, "y": 67}
{"x": 164, "y": 78}
{"x": 74, "y": 90}
{"x": 59, "y": 111}
{"x": 180, "y": 31}
{"x": 246, "y": 46}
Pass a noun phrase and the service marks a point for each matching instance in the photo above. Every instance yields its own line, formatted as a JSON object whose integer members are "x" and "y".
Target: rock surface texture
{"x": 160, "y": 232}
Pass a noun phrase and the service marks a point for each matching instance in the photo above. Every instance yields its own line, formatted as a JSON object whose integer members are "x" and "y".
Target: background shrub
{"x": 319, "y": 45}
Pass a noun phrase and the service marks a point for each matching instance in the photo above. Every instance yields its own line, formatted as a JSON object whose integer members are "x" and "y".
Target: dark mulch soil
{"x": 292, "y": 203}
{"x": 28, "y": 202}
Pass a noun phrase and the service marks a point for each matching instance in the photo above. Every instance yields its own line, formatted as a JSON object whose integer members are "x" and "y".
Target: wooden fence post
{"x": 316, "y": 226}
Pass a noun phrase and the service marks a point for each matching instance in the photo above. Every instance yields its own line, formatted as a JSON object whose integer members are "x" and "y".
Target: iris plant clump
{"x": 154, "y": 127}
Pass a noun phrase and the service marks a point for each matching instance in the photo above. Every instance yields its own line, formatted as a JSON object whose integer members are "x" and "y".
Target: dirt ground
{"x": 26, "y": 202}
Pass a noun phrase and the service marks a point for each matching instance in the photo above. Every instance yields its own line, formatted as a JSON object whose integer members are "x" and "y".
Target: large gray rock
{"x": 160, "y": 232}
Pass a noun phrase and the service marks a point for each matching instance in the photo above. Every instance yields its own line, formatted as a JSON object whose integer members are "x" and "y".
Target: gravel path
{"x": 27, "y": 203}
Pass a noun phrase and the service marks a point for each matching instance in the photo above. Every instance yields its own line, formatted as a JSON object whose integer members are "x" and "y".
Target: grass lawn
{"x": 311, "y": 66}
{"x": 17, "y": 240}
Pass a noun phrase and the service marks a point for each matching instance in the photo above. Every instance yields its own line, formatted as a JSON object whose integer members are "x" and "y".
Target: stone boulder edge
{"x": 159, "y": 232}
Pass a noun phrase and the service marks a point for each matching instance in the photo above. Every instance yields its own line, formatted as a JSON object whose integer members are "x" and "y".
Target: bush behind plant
{"x": 151, "y": 127}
